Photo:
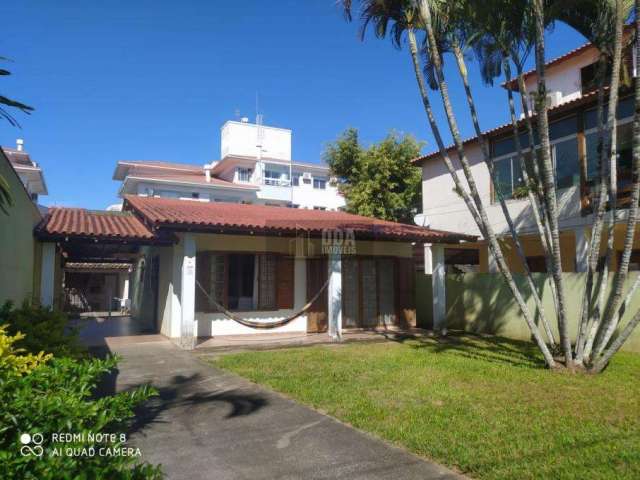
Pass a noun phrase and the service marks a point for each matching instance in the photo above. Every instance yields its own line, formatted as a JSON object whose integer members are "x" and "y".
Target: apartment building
{"x": 255, "y": 167}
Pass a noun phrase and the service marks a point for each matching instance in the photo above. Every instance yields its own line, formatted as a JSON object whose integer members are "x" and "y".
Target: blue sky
{"x": 155, "y": 79}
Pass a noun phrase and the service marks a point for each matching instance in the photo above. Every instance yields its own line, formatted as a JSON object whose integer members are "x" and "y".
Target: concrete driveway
{"x": 209, "y": 424}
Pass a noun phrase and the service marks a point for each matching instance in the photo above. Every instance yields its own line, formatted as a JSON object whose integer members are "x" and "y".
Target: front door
{"x": 317, "y": 274}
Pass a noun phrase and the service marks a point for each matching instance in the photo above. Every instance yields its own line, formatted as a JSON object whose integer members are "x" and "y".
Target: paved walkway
{"x": 208, "y": 424}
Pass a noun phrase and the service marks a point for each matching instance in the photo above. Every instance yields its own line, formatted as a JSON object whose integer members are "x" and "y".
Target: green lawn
{"x": 485, "y": 407}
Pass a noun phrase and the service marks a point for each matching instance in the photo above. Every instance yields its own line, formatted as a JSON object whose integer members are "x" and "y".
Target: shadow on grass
{"x": 487, "y": 348}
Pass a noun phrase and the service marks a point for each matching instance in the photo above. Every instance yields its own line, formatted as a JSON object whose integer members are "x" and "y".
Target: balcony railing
{"x": 276, "y": 182}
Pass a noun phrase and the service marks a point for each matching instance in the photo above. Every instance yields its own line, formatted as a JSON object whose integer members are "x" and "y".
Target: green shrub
{"x": 14, "y": 361}
{"x": 45, "y": 330}
{"x": 43, "y": 396}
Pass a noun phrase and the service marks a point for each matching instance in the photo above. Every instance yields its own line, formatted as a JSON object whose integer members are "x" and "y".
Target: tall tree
{"x": 379, "y": 181}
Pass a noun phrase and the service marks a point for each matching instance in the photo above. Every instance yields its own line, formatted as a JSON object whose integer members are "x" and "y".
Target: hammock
{"x": 261, "y": 325}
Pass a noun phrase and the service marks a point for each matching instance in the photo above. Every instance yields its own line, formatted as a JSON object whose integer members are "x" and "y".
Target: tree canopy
{"x": 378, "y": 181}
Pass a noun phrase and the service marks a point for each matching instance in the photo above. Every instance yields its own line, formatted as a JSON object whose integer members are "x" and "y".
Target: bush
{"x": 44, "y": 329}
{"x": 40, "y": 395}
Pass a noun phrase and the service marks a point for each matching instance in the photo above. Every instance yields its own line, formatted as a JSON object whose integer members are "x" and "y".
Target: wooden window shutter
{"x": 267, "y": 282}
{"x": 285, "y": 282}
{"x": 405, "y": 281}
{"x": 202, "y": 277}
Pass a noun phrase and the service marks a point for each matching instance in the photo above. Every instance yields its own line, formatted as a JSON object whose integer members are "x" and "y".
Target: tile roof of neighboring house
{"x": 507, "y": 127}
{"x": 61, "y": 222}
{"x": 18, "y": 157}
{"x": 241, "y": 218}
{"x": 162, "y": 165}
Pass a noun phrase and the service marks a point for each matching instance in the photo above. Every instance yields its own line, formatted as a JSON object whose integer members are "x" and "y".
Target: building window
{"x": 566, "y": 163}
{"x": 244, "y": 174}
{"x": 460, "y": 260}
{"x": 275, "y": 177}
{"x": 295, "y": 180}
{"x": 320, "y": 183}
{"x": 319, "y": 208}
{"x": 537, "y": 264}
{"x": 623, "y": 149}
{"x": 195, "y": 195}
{"x": 509, "y": 182}
{"x": 243, "y": 282}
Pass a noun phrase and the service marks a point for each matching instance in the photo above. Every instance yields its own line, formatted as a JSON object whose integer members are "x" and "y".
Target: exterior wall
{"x": 446, "y": 210}
{"x": 18, "y": 252}
{"x": 565, "y": 77}
{"x": 482, "y": 303}
{"x": 211, "y": 324}
{"x": 185, "y": 192}
{"x": 241, "y": 139}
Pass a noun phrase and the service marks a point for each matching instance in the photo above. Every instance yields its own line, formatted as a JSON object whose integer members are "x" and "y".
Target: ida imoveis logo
{"x": 31, "y": 444}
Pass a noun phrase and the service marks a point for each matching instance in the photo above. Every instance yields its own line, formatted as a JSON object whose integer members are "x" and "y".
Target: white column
{"x": 436, "y": 268}
{"x": 188, "y": 292}
{"x": 428, "y": 259}
{"x": 335, "y": 296}
{"x": 300, "y": 283}
{"x": 582, "y": 249}
{"x": 47, "y": 274}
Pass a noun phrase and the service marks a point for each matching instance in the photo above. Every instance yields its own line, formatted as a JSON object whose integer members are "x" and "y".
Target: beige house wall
{"x": 19, "y": 250}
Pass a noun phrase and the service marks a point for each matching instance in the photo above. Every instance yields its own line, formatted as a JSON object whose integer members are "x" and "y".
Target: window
{"x": 567, "y": 165}
{"x": 320, "y": 183}
{"x": 461, "y": 260}
{"x": 623, "y": 149}
{"x": 195, "y": 195}
{"x": 244, "y": 174}
{"x": 243, "y": 282}
{"x": 319, "y": 208}
{"x": 509, "y": 181}
{"x": 276, "y": 177}
{"x": 588, "y": 74}
{"x": 537, "y": 264}
{"x": 296, "y": 179}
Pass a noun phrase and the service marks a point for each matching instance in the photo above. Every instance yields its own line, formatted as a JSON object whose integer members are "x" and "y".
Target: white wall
{"x": 447, "y": 211}
{"x": 240, "y": 139}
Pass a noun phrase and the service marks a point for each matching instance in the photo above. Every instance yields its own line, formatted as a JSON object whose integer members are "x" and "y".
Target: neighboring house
{"x": 20, "y": 253}
{"x": 262, "y": 263}
{"x": 572, "y": 117}
{"x": 255, "y": 167}
{"x": 29, "y": 171}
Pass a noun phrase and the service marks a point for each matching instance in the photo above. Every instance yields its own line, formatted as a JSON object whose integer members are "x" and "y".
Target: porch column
{"x": 582, "y": 249}
{"x": 47, "y": 274}
{"x": 436, "y": 268}
{"x": 335, "y": 296}
{"x": 188, "y": 292}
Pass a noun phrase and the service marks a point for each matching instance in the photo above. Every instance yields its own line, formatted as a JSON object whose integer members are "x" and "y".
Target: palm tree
{"x": 457, "y": 27}
{"x": 407, "y": 15}
{"x": 5, "y": 194}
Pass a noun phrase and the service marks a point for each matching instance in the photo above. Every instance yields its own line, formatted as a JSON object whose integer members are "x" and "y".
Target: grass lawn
{"x": 484, "y": 406}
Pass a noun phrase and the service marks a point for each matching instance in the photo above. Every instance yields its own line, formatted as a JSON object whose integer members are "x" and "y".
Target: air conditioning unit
{"x": 554, "y": 99}
{"x": 306, "y": 176}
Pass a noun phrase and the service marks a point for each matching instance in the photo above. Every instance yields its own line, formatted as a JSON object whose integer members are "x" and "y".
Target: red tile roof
{"x": 241, "y": 218}
{"x": 60, "y": 222}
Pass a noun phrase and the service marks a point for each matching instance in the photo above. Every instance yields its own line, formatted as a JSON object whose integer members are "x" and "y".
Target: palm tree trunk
{"x": 599, "y": 208}
{"x": 541, "y": 214}
{"x": 610, "y": 317}
{"x": 549, "y": 181}
{"x": 462, "y": 69}
{"x": 614, "y": 310}
{"x": 610, "y": 144}
{"x": 486, "y": 226}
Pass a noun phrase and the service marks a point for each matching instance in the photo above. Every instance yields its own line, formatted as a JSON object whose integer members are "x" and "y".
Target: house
{"x": 572, "y": 116}
{"x": 255, "y": 167}
{"x": 30, "y": 172}
{"x": 20, "y": 252}
{"x": 204, "y": 269}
